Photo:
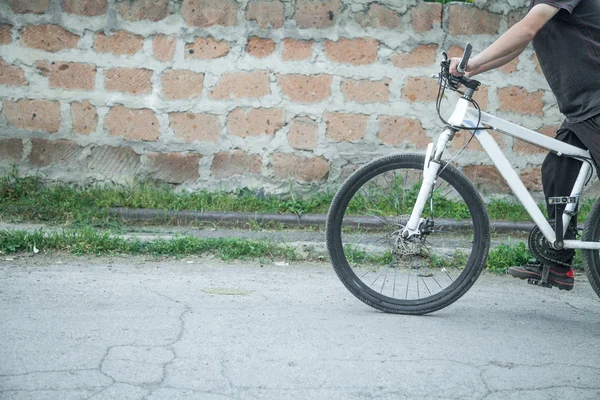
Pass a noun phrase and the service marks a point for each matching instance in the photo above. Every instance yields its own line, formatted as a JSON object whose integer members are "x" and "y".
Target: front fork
{"x": 430, "y": 171}
{"x": 432, "y": 166}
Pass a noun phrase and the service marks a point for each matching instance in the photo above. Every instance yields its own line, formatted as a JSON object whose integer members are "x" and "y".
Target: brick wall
{"x": 257, "y": 93}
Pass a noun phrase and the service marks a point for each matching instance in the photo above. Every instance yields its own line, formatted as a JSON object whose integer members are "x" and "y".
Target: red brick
{"x": 33, "y": 115}
{"x": 11, "y": 150}
{"x": 519, "y": 100}
{"x": 152, "y": 10}
{"x": 28, "y": 6}
{"x": 317, "y": 13}
{"x": 205, "y": 13}
{"x": 195, "y": 127}
{"x": 395, "y": 131}
{"x": 486, "y": 178}
{"x": 455, "y": 51}
{"x": 470, "y": 20}
{"x": 206, "y": 48}
{"x": 132, "y": 124}
{"x": 481, "y": 96}
{"x": 85, "y": 117}
{"x": 268, "y": 14}
{"x": 87, "y": 8}
{"x": 46, "y": 153}
{"x": 68, "y": 75}
{"x": 5, "y": 34}
{"x": 352, "y": 51}
{"x": 236, "y": 85}
{"x": 426, "y": 16}
{"x": 129, "y": 80}
{"x": 50, "y": 38}
{"x": 255, "y": 121}
{"x": 511, "y": 67}
{"x": 11, "y": 75}
{"x": 114, "y": 161}
{"x": 346, "y": 127}
{"x": 532, "y": 179}
{"x": 462, "y": 137}
{"x": 521, "y": 147}
{"x": 260, "y": 47}
{"x": 305, "y": 169}
{"x": 163, "y": 47}
{"x": 182, "y": 84}
{"x": 119, "y": 43}
{"x": 296, "y": 50}
{"x": 174, "y": 167}
{"x": 378, "y": 16}
{"x": 306, "y": 89}
{"x": 421, "y": 56}
{"x": 420, "y": 89}
{"x": 303, "y": 133}
{"x": 366, "y": 91}
{"x": 234, "y": 163}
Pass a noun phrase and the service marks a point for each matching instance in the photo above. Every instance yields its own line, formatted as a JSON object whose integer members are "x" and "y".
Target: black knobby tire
{"x": 480, "y": 239}
{"x": 591, "y": 258}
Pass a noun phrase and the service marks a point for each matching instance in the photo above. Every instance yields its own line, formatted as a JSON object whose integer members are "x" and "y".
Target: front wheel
{"x": 418, "y": 275}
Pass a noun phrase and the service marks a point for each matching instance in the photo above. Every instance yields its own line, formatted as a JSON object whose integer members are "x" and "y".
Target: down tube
{"x": 514, "y": 182}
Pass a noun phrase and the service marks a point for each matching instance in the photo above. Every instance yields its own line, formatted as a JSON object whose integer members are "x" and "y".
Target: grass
{"x": 29, "y": 199}
{"x": 85, "y": 208}
{"x": 90, "y": 241}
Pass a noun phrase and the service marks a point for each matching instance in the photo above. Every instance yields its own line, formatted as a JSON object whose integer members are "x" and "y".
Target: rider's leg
{"x": 559, "y": 173}
{"x": 558, "y": 177}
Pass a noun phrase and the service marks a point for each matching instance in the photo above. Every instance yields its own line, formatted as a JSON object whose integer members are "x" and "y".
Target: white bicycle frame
{"x": 465, "y": 116}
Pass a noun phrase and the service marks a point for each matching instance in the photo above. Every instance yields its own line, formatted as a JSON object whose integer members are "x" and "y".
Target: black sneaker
{"x": 564, "y": 280}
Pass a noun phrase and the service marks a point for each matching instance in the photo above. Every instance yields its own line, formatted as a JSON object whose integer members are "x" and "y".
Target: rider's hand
{"x": 454, "y": 61}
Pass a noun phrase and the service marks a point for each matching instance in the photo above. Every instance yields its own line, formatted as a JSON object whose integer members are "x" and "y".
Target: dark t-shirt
{"x": 568, "y": 48}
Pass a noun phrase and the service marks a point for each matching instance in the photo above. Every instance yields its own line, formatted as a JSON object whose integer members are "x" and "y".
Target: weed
{"x": 91, "y": 241}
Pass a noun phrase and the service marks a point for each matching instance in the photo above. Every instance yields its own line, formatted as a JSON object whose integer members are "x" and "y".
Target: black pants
{"x": 559, "y": 173}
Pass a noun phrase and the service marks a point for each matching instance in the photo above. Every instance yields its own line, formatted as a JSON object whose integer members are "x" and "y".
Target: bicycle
{"x": 386, "y": 219}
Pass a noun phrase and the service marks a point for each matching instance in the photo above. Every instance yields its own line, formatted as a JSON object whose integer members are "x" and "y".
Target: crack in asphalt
{"x": 170, "y": 345}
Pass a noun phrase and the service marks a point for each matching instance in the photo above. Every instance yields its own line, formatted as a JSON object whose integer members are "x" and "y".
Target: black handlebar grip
{"x": 465, "y": 58}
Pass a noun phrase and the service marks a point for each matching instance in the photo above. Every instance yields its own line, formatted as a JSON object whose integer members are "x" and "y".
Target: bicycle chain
{"x": 545, "y": 253}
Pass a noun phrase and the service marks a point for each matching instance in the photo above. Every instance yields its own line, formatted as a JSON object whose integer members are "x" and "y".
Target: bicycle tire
{"x": 591, "y": 258}
{"x": 475, "y": 262}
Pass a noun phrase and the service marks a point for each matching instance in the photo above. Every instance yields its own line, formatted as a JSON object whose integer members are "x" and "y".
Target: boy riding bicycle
{"x": 566, "y": 38}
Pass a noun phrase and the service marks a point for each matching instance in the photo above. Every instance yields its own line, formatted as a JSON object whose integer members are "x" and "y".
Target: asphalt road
{"x": 137, "y": 328}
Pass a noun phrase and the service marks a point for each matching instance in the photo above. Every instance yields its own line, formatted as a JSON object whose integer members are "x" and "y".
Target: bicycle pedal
{"x": 538, "y": 282}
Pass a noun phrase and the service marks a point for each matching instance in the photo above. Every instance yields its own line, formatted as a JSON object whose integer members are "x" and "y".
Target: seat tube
{"x": 569, "y": 211}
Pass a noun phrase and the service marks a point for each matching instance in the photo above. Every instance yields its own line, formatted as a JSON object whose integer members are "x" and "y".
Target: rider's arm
{"x": 495, "y": 63}
{"x": 512, "y": 42}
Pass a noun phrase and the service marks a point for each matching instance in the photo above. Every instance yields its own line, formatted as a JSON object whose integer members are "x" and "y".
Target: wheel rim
{"x": 388, "y": 268}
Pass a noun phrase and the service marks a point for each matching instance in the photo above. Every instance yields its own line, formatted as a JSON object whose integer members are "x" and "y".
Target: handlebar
{"x": 462, "y": 66}
{"x": 455, "y": 81}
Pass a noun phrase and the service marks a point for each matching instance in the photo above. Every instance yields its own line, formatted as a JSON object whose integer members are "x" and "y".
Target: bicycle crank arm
{"x": 577, "y": 244}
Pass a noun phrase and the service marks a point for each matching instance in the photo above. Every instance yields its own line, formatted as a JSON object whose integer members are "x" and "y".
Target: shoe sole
{"x": 528, "y": 274}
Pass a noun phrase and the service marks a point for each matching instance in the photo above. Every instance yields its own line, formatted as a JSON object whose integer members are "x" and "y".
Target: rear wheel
{"x": 407, "y": 276}
{"x": 591, "y": 258}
